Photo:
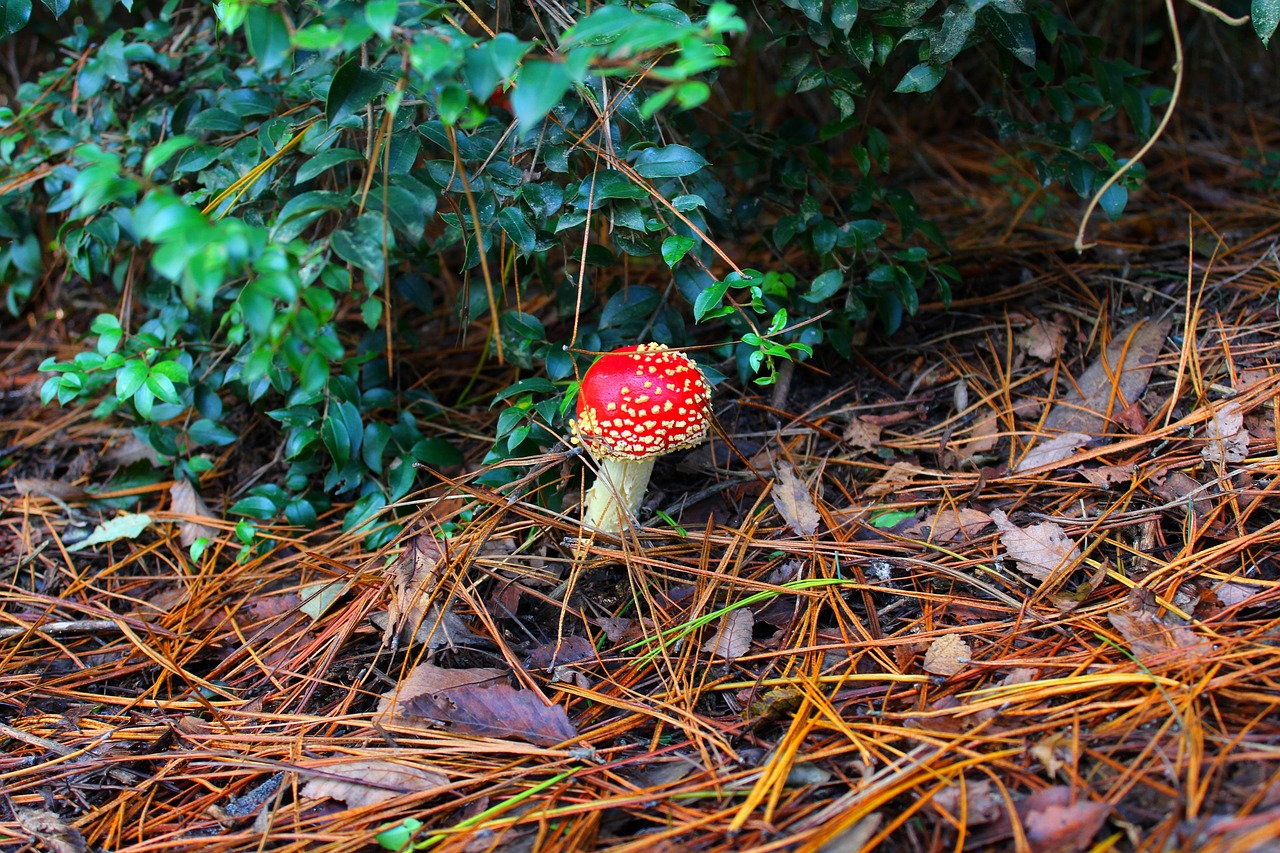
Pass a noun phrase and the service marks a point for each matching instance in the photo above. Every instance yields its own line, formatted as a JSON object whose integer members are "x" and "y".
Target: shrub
{"x": 281, "y": 193}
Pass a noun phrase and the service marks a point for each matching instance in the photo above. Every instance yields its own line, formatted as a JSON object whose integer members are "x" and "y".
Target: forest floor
{"x": 1005, "y": 581}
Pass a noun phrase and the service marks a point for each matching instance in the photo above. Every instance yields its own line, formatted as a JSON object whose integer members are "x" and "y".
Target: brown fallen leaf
{"x": 732, "y": 638}
{"x": 429, "y": 678}
{"x": 416, "y": 612}
{"x": 1050, "y": 451}
{"x": 947, "y": 524}
{"x": 1065, "y": 827}
{"x": 947, "y": 655}
{"x": 1177, "y": 487}
{"x": 793, "y": 501}
{"x": 186, "y": 501}
{"x": 1041, "y": 340}
{"x": 1227, "y": 439}
{"x": 368, "y": 781}
{"x": 52, "y": 832}
{"x": 861, "y": 434}
{"x": 499, "y": 711}
{"x": 982, "y": 439}
{"x": 977, "y": 799}
{"x": 559, "y": 652}
{"x": 1149, "y": 638}
{"x": 898, "y": 474}
{"x": 40, "y": 488}
{"x": 1129, "y": 358}
{"x": 1039, "y": 549}
{"x": 1107, "y": 475}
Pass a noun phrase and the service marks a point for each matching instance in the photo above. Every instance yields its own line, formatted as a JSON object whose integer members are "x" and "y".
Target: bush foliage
{"x": 280, "y": 195}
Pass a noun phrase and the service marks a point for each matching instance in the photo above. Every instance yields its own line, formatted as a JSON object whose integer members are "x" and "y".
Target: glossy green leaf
{"x": 1265, "y": 15}
{"x": 517, "y": 226}
{"x": 542, "y": 85}
{"x": 268, "y": 37}
{"x": 1013, "y": 32}
{"x": 324, "y": 161}
{"x": 352, "y": 88}
{"x": 130, "y": 378}
{"x": 14, "y": 14}
{"x": 675, "y": 247}
{"x": 922, "y": 78}
{"x": 671, "y": 161}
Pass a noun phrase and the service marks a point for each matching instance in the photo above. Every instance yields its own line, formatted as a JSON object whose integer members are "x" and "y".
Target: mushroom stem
{"x": 617, "y": 493}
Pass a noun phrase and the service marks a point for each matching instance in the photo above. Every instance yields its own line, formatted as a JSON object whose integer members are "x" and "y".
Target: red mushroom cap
{"x": 642, "y": 401}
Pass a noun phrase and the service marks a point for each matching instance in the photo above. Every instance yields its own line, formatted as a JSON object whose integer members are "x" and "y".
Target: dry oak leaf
{"x": 429, "y": 678}
{"x": 367, "y": 781}
{"x": 1041, "y": 340}
{"x": 732, "y": 639}
{"x": 1148, "y": 637}
{"x": 898, "y": 474}
{"x": 862, "y": 434}
{"x": 793, "y": 501}
{"x": 947, "y": 655}
{"x": 1039, "y": 549}
{"x": 1107, "y": 475}
{"x": 415, "y": 609}
{"x": 1064, "y": 827}
{"x": 499, "y": 711}
{"x": 1228, "y": 440}
{"x": 947, "y": 524}
{"x": 1056, "y": 449}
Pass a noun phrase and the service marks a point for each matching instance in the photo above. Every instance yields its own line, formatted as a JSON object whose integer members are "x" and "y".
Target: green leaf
{"x": 255, "y": 506}
{"x": 844, "y": 14}
{"x": 130, "y": 378}
{"x": 824, "y": 286}
{"x": 122, "y": 527}
{"x": 381, "y": 15}
{"x": 324, "y": 161}
{"x": 161, "y": 154}
{"x": 361, "y": 243}
{"x": 1113, "y": 201}
{"x": 268, "y": 37}
{"x": 1013, "y": 32}
{"x": 675, "y": 247}
{"x": 812, "y": 10}
{"x": 14, "y": 14}
{"x": 957, "y": 24}
{"x": 205, "y": 431}
{"x": 174, "y": 371}
{"x": 163, "y": 388}
{"x": 351, "y": 89}
{"x": 1266, "y": 15}
{"x": 57, "y": 7}
{"x": 709, "y": 300}
{"x": 517, "y": 227}
{"x": 671, "y": 161}
{"x": 923, "y": 78}
{"x": 542, "y": 85}
{"x": 531, "y": 385}
{"x": 436, "y": 452}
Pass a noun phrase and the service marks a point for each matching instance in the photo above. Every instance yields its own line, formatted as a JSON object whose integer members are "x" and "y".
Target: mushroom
{"x": 636, "y": 403}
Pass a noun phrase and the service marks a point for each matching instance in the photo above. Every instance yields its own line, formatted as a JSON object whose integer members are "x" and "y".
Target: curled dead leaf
{"x": 1227, "y": 439}
{"x": 368, "y": 781}
{"x": 861, "y": 434}
{"x": 793, "y": 501}
{"x": 1042, "y": 340}
{"x": 186, "y": 501}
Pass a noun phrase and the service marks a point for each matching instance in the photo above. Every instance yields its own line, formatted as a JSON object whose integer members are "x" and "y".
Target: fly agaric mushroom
{"x": 635, "y": 404}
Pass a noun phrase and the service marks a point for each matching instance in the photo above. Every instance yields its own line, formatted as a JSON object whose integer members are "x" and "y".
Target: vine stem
{"x": 1164, "y": 122}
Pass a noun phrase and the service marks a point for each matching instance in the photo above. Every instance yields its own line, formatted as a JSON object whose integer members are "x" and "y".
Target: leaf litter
{"x": 870, "y": 685}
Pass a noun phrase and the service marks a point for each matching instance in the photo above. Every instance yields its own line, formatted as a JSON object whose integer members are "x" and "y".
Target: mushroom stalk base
{"x": 617, "y": 493}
